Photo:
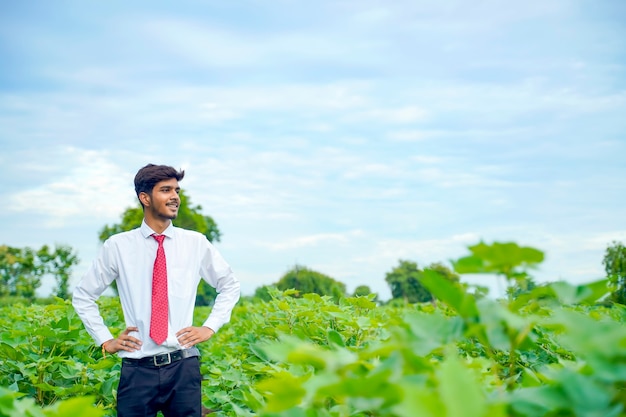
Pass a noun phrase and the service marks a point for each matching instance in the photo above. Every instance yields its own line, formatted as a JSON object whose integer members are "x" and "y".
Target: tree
{"x": 189, "y": 217}
{"x": 404, "y": 281}
{"x": 308, "y": 281}
{"x": 362, "y": 291}
{"x": 59, "y": 264}
{"x": 508, "y": 260}
{"x": 205, "y": 295}
{"x": 19, "y": 272}
{"x": 615, "y": 266}
{"x": 263, "y": 292}
{"x": 444, "y": 271}
{"x": 22, "y": 269}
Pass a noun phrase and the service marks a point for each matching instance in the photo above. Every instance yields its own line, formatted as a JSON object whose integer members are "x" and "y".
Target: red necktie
{"x": 158, "y": 318}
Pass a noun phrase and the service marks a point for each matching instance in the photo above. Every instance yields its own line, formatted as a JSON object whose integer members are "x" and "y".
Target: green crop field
{"x": 550, "y": 352}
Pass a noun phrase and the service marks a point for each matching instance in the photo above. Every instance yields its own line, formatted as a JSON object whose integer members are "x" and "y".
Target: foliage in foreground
{"x": 551, "y": 352}
{"x": 46, "y": 356}
{"x": 11, "y": 405}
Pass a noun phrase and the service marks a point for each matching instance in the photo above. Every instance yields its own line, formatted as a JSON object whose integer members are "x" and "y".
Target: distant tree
{"x": 404, "y": 281}
{"x": 480, "y": 291}
{"x": 615, "y": 266}
{"x": 22, "y": 269}
{"x": 308, "y": 281}
{"x": 521, "y": 287}
{"x": 19, "y": 272}
{"x": 446, "y": 272}
{"x": 263, "y": 292}
{"x": 189, "y": 217}
{"x": 205, "y": 295}
{"x": 361, "y": 290}
{"x": 59, "y": 263}
{"x": 507, "y": 260}
{"x": 364, "y": 290}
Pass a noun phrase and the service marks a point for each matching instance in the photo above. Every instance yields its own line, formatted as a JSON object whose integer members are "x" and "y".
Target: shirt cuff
{"x": 212, "y": 324}
{"x": 102, "y": 336}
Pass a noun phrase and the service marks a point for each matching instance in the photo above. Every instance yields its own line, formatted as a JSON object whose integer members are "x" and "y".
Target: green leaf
{"x": 258, "y": 351}
{"x": 584, "y": 393}
{"x": 240, "y": 412}
{"x": 580, "y": 294}
{"x": 601, "y": 340}
{"x": 499, "y": 258}
{"x": 283, "y": 391}
{"x": 418, "y": 401}
{"x": 453, "y": 295}
{"x": 433, "y": 330}
{"x": 538, "y": 401}
{"x": 334, "y": 337}
{"x": 503, "y": 328}
{"x": 75, "y": 407}
{"x": 469, "y": 265}
{"x": 459, "y": 390}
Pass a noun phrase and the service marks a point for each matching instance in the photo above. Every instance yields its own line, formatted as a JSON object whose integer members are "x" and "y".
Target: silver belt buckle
{"x": 169, "y": 359}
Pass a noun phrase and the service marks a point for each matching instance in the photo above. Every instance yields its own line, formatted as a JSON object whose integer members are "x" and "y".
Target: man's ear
{"x": 145, "y": 199}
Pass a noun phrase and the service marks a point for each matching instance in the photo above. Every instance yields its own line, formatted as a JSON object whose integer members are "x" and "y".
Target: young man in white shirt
{"x": 157, "y": 268}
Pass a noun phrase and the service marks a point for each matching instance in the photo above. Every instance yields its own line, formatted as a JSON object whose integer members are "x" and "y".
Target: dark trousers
{"x": 173, "y": 389}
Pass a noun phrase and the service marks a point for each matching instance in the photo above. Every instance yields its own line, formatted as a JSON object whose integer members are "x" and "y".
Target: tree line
{"x": 22, "y": 269}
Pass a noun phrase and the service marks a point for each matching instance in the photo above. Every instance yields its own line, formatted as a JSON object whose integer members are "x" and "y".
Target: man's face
{"x": 164, "y": 201}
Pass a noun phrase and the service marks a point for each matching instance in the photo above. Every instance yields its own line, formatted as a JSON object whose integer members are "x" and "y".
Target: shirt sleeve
{"x": 98, "y": 278}
{"x": 217, "y": 273}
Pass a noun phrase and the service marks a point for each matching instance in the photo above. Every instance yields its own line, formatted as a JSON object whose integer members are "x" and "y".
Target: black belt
{"x": 164, "y": 358}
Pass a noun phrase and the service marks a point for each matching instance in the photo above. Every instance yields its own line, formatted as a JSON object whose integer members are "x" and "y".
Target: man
{"x": 157, "y": 268}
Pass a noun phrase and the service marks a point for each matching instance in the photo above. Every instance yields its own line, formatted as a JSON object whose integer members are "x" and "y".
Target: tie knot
{"x": 159, "y": 238}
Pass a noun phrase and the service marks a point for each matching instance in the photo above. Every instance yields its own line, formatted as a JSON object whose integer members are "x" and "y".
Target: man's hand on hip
{"x": 123, "y": 342}
{"x": 191, "y": 336}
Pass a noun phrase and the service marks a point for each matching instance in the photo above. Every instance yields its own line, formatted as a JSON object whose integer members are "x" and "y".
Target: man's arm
{"x": 217, "y": 273}
{"x": 228, "y": 293}
{"x": 97, "y": 279}
{"x": 227, "y": 297}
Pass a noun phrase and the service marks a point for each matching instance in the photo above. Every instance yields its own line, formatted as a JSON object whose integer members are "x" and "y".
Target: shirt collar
{"x": 146, "y": 231}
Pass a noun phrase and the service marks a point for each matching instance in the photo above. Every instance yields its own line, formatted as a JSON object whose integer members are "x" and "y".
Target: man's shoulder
{"x": 191, "y": 237}
{"x": 187, "y": 233}
{"x": 123, "y": 236}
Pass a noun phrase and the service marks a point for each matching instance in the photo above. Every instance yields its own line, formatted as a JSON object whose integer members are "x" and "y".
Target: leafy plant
{"x": 508, "y": 260}
{"x": 553, "y": 351}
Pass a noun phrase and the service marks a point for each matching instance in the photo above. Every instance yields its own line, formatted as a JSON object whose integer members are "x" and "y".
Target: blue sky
{"x": 338, "y": 135}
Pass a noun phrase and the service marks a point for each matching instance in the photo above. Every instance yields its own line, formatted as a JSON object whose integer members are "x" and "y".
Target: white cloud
{"x": 312, "y": 240}
{"x": 88, "y": 185}
{"x": 428, "y": 159}
{"x": 389, "y": 251}
{"x": 212, "y": 44}
{"x": 391, "y": 115}
{"x": 410, "y": 135}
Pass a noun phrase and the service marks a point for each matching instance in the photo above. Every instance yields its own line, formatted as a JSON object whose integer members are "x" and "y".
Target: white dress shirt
{"x": 128, "y": 257}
